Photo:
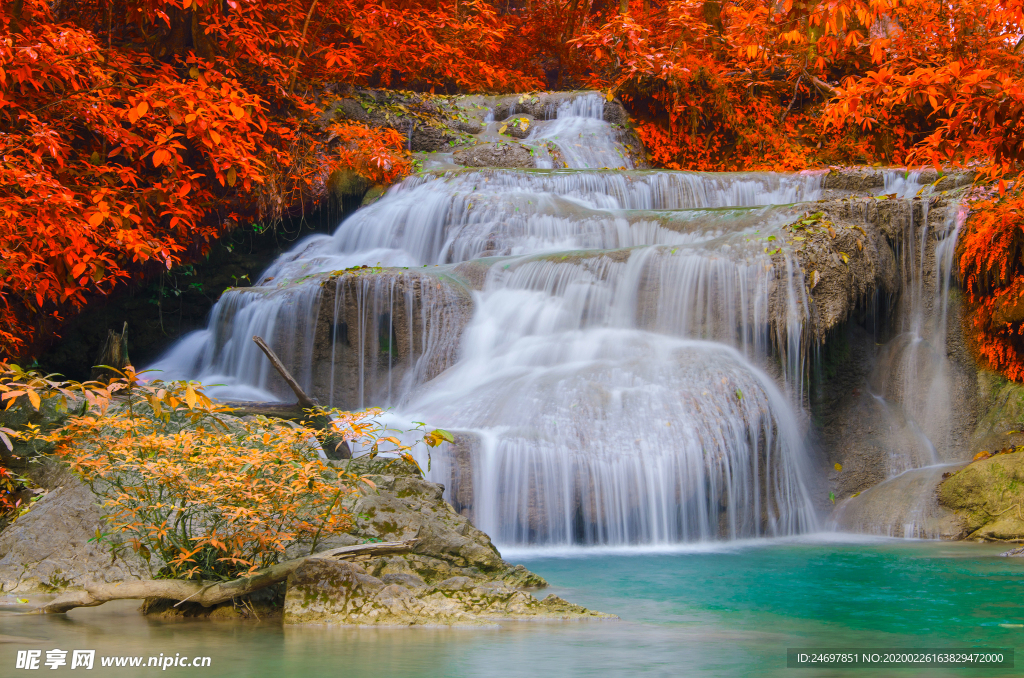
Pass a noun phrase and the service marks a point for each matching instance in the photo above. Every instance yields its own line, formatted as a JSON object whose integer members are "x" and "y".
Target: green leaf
{"x": 445, "y": 435}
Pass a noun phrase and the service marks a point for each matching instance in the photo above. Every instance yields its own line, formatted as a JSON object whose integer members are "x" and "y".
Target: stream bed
{"x": 714, "y": 609}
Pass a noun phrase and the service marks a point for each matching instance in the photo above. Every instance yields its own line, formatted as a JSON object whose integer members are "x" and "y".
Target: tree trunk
{"x": 207, "y": 593}
{"x": 17, "y": 6}
{"x": 114, "y": 353}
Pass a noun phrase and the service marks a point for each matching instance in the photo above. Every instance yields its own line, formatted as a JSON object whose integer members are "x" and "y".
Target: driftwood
{"x": 334, "y": 446}
{"x": 207, "y": 593}
{"x": 242, "y": 408}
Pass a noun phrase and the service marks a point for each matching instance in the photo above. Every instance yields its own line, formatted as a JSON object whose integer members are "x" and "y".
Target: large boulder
{"x": 989, "y": 497}
{"x": 453, "y": 575}
{"x": 54, "y": 545}
{"x": 499, "y": 154}
{"x": 336, "y": 592}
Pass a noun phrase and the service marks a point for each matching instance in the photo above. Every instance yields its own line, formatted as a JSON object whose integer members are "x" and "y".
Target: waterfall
{"x": 619, "y": 348}
{"x": 914, "y": 382}
{"x": 582, "y": 135}
{"x": 912, "y": 377}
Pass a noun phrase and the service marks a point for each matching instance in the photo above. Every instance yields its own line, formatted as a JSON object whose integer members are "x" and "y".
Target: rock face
{"x": 1001, "y": 414}
{"x": 379, "y": 332}
{"x": 326, "y": 591}
{"x": 49, "y": 547}
{"x": 454, "y": 575}
{"x": 896, "y": 386}
{"x": 988, "y": 495}
{"x": 499, "y": 154}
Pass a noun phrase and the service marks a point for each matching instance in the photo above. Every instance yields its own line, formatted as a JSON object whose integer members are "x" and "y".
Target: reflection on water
{"x": 727, "y": 612}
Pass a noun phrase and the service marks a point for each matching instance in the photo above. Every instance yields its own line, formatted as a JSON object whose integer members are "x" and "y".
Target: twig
{"x": 792, "y": 100}
{"x": 298, "y": 52}
{"x": 820, "y": 84}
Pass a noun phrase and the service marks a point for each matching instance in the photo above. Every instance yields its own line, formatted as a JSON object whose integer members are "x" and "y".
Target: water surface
{"x": 699, "y": 610}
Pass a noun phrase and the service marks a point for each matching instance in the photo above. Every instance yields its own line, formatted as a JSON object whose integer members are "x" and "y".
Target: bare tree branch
{"x": 207, "y": 593}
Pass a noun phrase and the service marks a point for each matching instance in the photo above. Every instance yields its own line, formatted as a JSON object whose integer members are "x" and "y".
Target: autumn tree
{"x": 135, "y": 132}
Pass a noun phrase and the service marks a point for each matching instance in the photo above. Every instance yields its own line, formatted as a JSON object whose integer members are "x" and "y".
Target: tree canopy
{"x": 133, "y": 133}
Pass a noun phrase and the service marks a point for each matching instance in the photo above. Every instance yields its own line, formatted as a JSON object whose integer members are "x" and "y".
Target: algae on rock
{"x": 988, "y": 495}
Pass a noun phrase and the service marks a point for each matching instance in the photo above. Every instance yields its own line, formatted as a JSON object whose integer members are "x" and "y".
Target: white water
{"x": 914, "y": 371}
{"x": 615, "y": 369}
{"x": 914, "y": 383}
{"x": 582, "y": 135}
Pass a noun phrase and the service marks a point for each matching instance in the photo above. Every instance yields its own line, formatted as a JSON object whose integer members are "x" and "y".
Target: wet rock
{"x": 326, "y": 591}
{"x": 615, "y": 113}
{"x": 853, "y": 179}
{"x": 373, "y": 194}
{"x": 904, "y": 506}
{"x": 498, "y": 154}
{"x": 347, "y": 186}
{"x": 518, "y": 126}
{"x": 49, "y": 547}
{"x": 988, "y": 495}
{"x": 377, "y": 327}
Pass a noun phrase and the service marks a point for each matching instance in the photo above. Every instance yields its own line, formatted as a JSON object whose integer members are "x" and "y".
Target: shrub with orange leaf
{"x": 198, "y": 493}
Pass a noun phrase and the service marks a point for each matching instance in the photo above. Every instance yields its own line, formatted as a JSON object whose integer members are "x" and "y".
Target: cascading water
{"x": 615, "y": 353}
{"x": 582, "y": 135}
{"x": 913, "y": 380}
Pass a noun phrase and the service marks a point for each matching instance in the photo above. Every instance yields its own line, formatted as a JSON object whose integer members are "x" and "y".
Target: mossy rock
{"x": 1001, "y": 424}
{"x": 989, "y": 496}
{"x": 375, "y": 193}
{"x": 347, "y": 186}
{"x": 378, "y": 466}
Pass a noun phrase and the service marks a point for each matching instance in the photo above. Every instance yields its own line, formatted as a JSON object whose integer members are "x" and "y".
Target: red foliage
{"x": 992, "y": 266}
{"x": 133, "y": 132}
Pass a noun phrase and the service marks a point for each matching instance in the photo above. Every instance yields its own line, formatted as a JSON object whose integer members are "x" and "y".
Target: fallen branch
{"x": 304, "y": 400}
{"x": 334, "y": 446}
{"x": 242, "y": 408}
{"x": 207, "y": 593}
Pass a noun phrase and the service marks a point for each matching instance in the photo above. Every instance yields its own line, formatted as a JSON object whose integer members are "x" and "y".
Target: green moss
{"x": 389, "y": 527}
